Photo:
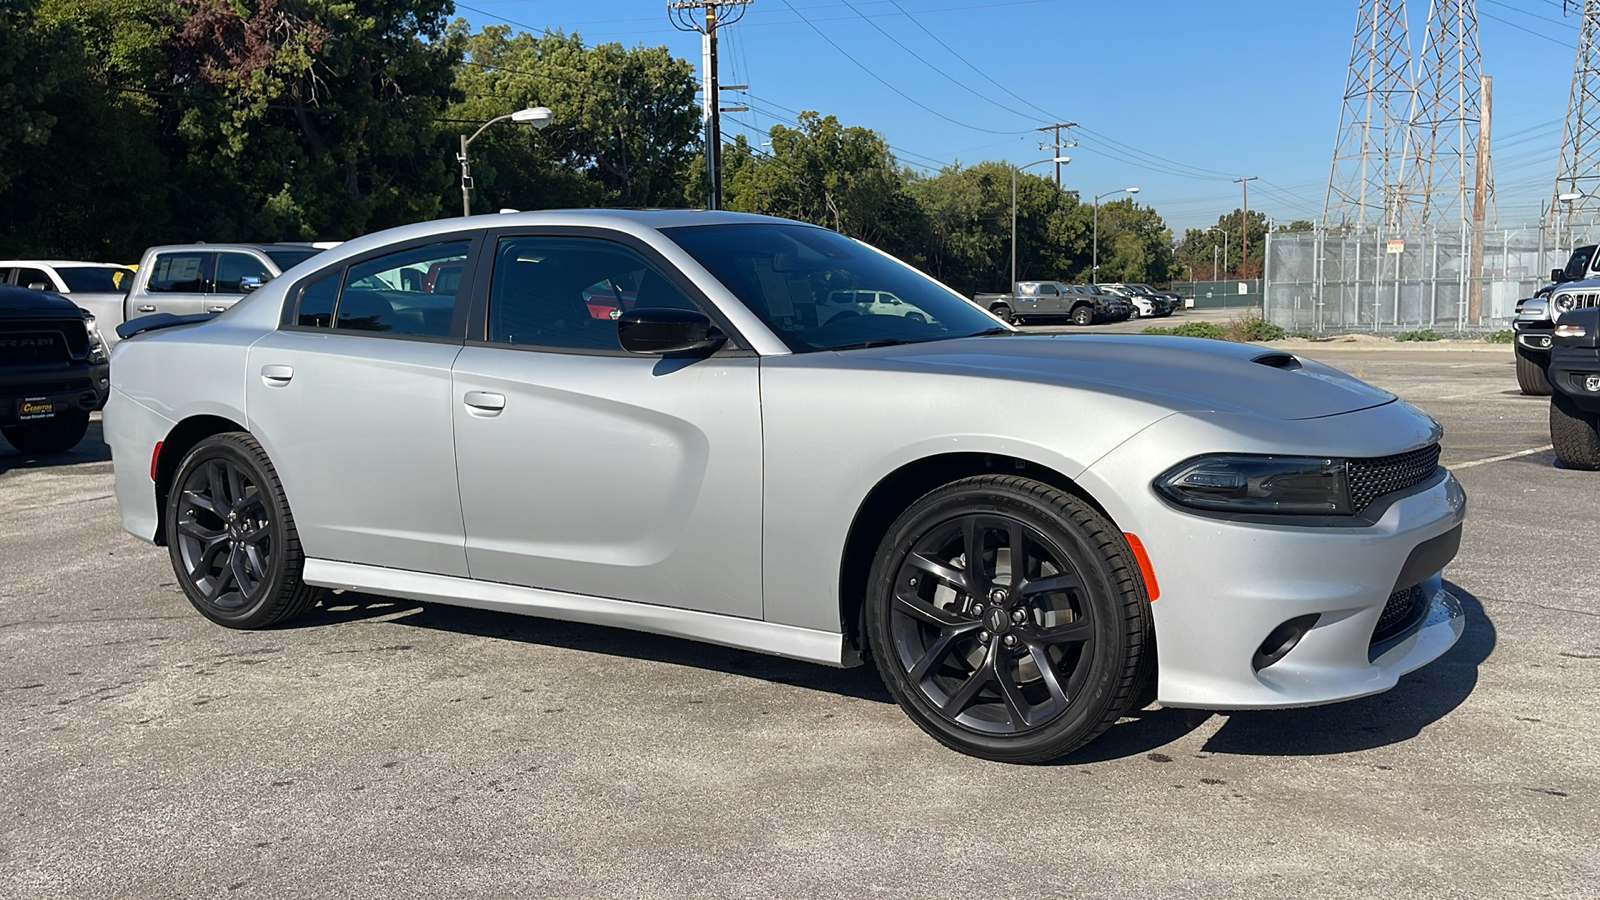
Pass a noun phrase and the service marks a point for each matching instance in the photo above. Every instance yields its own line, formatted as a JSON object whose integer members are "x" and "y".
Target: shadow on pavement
{"x": 1420, "y": 699}
{"x": 92, "y": 448}
{"x": 860, "y": 682}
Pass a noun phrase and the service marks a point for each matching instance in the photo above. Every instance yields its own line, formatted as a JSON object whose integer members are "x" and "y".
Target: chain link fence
{"x": 1335, "y": 281}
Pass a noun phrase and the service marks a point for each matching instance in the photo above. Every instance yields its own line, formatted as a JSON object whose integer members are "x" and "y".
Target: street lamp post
{"x": 1059, "y": 161}
{"x": 1225, "y": 236}
{"x": 539, "y": 116}
{"x": 1094, "y": 270}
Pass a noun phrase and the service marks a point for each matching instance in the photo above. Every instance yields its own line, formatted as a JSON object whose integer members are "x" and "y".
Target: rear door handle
{"x": 147, "y": 308}
{"x": 485, "y": 402}
{"x": 276, "y": 376}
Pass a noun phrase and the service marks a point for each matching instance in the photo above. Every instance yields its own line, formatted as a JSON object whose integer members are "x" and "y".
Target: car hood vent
{"x": 1278, "y": 361}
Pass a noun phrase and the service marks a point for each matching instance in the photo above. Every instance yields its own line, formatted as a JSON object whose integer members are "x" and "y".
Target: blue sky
{"x": 1176, "y": 97}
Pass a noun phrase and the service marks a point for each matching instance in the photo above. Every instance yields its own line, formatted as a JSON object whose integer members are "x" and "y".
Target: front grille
{"x": 1568, "y": 302}
{"x": 1404, "y": 609}
{"x": 1373, "y": 478}
{"x": 31, "y": 343}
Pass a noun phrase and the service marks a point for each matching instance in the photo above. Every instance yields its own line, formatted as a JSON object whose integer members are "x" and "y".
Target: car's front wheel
{"x": 1574, "y": 433}
{"x": 1531, "y": 375}
{"x": 1008, "y": 619}
{"x": 232, "y": 538}
{"x": 48, "y": 436}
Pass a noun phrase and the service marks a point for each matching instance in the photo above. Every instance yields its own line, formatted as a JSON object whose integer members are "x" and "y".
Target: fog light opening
{"x": 1591, "y": 383}
{"x": 1282, "y": 640}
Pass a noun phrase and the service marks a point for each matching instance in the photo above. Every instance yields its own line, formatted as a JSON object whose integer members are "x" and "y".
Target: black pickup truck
{"x": 53, "y": 371}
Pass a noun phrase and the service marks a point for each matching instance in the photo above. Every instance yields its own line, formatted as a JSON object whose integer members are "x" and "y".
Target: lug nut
{"x": 1019, "y": 617}
{"x": 983, "y": 636}
{"x": 1011, "y": 640}
{"x": 977, "y": 609}
{"x": 913, "y": 581}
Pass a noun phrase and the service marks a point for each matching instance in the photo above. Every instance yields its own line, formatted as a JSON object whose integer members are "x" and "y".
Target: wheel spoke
{"x": 214, "y": 593}
{"x": 201, "y": 501}
{"x": 208, "y": 557}
{"x": 1061, "y": 582}
{"x": 1071, "y": 633}
{"x": 972, "y": 547}
{"x": 1016, "y": 704}
{"x": 938, "y": 569}
{"x": 205, "y": 536}
{"x": 958, "y": 702}
{"x": 235, "y": 487}
{"x": 934, "y": 657}
{"x": 239, "y": 565}
{"x": 216, "y": 488}
{"x": 1047, "y": 672}
{"x": 258, "y": 563}
{"x": 923, "y": 611}
{"x": 1017, "y": 534}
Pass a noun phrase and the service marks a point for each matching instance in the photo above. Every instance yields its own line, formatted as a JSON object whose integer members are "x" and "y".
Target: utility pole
{"x": 1580, "y": 147}
{"x": 1057, "y": 147}
{"x": 1480, "y": 201}
{"x": 1244, "y": 225}
{"x": 682, "y": 14}
{"x": 1369, "y": 152}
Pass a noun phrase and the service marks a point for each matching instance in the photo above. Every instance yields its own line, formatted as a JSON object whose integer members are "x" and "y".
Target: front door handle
{"x": 217, "y": 309}
{"x": 485, "y": 402}
{"x": 276, "y": 376}
{"x": 146, "y": 308}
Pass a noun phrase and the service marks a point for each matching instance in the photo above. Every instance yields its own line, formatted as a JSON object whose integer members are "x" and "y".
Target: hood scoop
{"x": 1278, "y": 360}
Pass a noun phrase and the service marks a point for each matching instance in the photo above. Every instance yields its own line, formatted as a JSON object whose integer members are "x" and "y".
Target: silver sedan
{"x": 652, "y": 420}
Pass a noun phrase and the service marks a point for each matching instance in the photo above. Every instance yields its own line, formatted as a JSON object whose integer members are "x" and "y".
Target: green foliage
{"x": 1504, "y": 336}
{"x": 1251, "y": 327}
{"x": 1426, "y": 334}
{"x": 1209, "y": 330}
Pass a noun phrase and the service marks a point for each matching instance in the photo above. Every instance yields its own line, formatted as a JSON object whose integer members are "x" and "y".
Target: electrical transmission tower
{"x": 1444, "y": 175}
{"x": 1578, "y": 179}
{"x": 685, "y": 18}
{"x": 1369, "y": 155}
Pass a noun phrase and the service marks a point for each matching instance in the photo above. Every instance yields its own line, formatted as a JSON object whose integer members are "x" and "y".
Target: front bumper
{"x": 1571, "y": 371}
{"x": 1228, "y": 587}
{"x": 79, "y": 387}
{"x": 1534, "y": 336}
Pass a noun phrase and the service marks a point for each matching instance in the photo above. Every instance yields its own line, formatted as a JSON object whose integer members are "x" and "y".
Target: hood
{"x": 21, "y": 302}
{"x": 1178, "y": 373}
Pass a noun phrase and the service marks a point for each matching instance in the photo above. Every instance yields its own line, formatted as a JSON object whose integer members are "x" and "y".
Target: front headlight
{"x": 1560, "y": 303}
{"x": 1281, "y": 485}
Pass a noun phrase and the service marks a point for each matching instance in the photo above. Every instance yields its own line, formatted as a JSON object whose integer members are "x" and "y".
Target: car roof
{"x": 162, "y": 248}
{"x": 61, "y": 263}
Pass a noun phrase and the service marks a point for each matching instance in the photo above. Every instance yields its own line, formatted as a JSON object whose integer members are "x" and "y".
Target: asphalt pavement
{"x": 395, "y": 749}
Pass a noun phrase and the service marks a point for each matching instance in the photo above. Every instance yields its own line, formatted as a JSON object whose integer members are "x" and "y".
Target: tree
{"x": 1195, "y": 250}
{"x": 624, "y": 132}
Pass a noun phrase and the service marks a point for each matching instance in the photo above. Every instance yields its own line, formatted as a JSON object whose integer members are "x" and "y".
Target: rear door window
{"x": 180, "y": 273}
{"x": 411, "y": 292}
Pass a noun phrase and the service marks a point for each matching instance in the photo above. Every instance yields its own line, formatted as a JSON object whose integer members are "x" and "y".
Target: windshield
{"x": 819, "y": 290}
{"x": 96, "y": 279}
{"x": 288, "y": 259}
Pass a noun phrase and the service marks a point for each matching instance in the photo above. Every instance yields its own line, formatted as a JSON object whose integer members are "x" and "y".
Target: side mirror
{"x": 661, "y": 330}
{"x": 38, "y": 286}
{"x": 1558, "y": 275}
{"x": 249, "y": 283}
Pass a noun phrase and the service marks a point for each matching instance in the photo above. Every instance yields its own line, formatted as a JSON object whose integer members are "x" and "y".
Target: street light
{"x": 1094, "y": 271}
{"x": 538, "y": 116}
{"x": 1225, "y": 236}
{"x": 1059, "y": 160}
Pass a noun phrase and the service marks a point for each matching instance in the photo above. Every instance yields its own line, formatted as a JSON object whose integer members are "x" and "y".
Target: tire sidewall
{"x": 227, "y": 447}
{"x": 1110, "y": 647}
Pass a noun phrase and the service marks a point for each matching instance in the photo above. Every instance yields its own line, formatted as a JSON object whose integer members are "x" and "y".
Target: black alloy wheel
{"x": 1008, "y": 619}
{"x": 231, "y": 538}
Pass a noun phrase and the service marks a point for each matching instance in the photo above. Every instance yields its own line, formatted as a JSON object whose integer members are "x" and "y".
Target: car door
{"x": 351, "y": 398}
{"x": 590, "y": 470}
{"x": 227, "y": 286}
{"x": 177, "y": 284}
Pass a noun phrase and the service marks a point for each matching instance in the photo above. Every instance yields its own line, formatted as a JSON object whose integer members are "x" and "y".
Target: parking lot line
{"x": 1502, "y": 458}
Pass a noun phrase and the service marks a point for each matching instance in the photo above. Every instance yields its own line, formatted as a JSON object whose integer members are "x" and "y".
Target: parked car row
{"x": 1080, "y": 304}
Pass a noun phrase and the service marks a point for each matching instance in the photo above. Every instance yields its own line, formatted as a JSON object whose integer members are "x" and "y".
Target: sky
{"x": 1175, "y": 97}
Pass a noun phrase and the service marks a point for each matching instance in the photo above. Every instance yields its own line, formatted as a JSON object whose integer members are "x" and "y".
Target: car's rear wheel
{"x": 1531, "y": 374}
{"x": 1003, "y": 313}
{"x": 1574, "y": 434}
{"x": 232, "y": 538}
{"x": 48, "y": 436}
{"x": 1083, "y": 315}
{"x": 1008, "y": 619}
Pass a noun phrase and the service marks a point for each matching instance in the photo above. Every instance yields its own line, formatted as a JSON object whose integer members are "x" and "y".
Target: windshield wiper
{"x": 881, "y": 342}
{"x": 987, "y": 332}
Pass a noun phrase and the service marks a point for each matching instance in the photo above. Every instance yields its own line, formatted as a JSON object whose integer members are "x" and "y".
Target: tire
{"x": 1083, "y": 315}
{"x": 1004, "y": 313}
{"x": 1574, "y": 434}
{"x": 48, "y": 436}
{"x": 1532, "y": 376}
{"x": 1017, "y": 671}
{"x": 916, "y": 317}
{"x": 231, "y": 537}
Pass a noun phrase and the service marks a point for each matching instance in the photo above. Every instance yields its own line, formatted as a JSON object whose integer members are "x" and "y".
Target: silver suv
{"x": 191, "y": 279}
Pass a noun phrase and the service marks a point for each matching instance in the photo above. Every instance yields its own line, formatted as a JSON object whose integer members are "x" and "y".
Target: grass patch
{"x": 1240, "y": 329}
{"x": 1191, "y": 329}
{"x": 1426, "y": 334}
{"x": 1501, "y": 337}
